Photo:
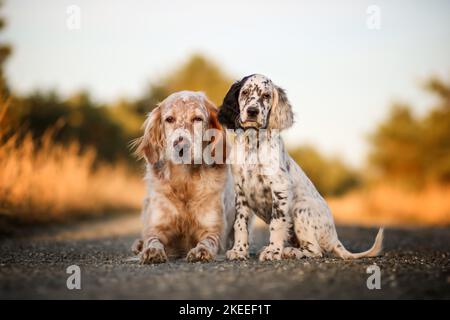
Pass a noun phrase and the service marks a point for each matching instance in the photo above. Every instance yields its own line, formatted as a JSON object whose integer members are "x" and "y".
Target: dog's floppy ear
{"x": 281, "y": 116}
{"x": 151, "y": 144}
{"x": 219, "y": 141}
{"x": 229, "y": 110}
{"x": 213, "y": 115}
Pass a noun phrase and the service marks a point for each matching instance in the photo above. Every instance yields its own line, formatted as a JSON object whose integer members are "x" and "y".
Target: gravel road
{"x": 415, "y": 264}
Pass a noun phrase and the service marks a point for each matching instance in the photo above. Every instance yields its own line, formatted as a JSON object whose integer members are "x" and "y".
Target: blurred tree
{"x": 92, "y": 125}
{"x": 198, "y": 74}
{"x": 396, "y": 147}
{"x": 77, "y": 118}
{"x": 154, "y": 95}
{"x": 125, "y": 113}
{"x": 330, "y": 175}
{"x": 436, "y": 134}
{"x": 37, "y": 112}
{"x": 5, "y": 52}
{"x": 413, "y": 150}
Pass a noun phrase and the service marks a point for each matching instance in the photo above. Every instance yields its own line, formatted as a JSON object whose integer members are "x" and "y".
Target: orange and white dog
{"x": 189, "y": 207}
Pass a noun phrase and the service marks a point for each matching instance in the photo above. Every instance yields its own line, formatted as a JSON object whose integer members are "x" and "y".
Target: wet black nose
{"x": 252, "y": 112}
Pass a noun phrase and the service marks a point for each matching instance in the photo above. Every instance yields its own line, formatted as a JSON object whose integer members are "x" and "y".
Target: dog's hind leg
{"x": 292, "y": 253}
{"x": 308, "y": 244}
{"x": 307, "y": 251}
{"x": 309, "y": 248}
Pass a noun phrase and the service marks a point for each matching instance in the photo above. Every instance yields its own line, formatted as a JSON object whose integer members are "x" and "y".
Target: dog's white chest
{"x": 257, "y": 191}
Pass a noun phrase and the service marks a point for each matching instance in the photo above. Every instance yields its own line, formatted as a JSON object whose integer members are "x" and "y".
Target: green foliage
{"x": 414, "y": 150}
{"x": 331, "y": 176}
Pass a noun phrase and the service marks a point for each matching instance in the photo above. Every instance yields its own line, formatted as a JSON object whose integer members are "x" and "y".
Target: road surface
{"x": 415, "y": 264}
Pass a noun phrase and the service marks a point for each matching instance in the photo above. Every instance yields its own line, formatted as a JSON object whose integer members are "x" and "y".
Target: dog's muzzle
{"x": 181, "y": 146}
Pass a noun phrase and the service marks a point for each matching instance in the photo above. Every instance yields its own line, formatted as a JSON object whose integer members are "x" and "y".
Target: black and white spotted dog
{"x": 300, "y": 221}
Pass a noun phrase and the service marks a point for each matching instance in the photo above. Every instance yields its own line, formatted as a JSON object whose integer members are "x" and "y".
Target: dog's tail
{"x": 343, "y": 253}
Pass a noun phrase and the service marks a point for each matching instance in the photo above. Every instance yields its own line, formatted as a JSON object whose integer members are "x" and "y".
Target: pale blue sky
{"x": 340, "y": 76}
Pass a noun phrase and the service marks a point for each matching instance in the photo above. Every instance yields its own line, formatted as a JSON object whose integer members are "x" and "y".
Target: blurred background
{"x": 369, "y": 82}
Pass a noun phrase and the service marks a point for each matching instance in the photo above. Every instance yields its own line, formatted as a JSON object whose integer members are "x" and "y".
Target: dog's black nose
{"x": 252, "y": 112}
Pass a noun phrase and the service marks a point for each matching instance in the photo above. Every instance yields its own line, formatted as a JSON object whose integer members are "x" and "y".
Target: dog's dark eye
{"x": 245, "y": 92}
{"x": 197, "y": 119}
{"x": 266, "y": 95}
{"x": 170, "y": 119}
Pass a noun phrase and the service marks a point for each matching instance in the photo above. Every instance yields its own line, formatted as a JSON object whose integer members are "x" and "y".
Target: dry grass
{"x": 388, "y": 205}
{"x": 45, "y": 181}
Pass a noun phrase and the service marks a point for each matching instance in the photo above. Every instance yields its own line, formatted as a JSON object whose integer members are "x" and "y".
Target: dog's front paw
{"x": 292, "y": 253}
{"x": 137, "y": 245}
{"x": 153, "y": 254}
{"x": 200, "y": 254}
{"x": 270, "y": 253}
{"x": 237, "y": 254}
